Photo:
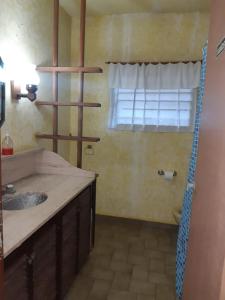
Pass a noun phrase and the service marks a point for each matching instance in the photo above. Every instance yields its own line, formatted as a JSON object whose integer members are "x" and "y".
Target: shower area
{"x": 184, "y": 228}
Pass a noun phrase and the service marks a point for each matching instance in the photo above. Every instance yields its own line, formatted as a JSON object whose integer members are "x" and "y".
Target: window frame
{"x": 154, "y": 128}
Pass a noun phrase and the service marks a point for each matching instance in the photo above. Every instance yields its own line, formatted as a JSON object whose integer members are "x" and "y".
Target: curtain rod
{"x": 153, "y": 63}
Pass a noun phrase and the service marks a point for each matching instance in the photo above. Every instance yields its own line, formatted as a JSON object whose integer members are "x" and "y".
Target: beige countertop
{"x": 19, "y": 225}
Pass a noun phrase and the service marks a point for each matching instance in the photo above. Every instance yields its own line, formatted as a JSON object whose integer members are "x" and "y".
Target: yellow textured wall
{"x": 127, "y": 162}
{"x": 25, "y": 35}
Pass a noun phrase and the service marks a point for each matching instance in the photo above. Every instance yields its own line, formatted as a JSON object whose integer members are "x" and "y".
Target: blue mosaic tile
{"x": 183, "y": 235}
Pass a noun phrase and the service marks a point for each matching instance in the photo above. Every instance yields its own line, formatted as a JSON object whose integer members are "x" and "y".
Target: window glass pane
{"x": 139, "y": 114}
{"x": 125, "y": 104}
{"x": 169, "y": 96}
{"x": 140, "y": 96}
{"x": 124, "y": 121}
{"x": 126, "y": 96}
{"x": 186, "y": 97}
{"x": 151, "y": 117}
{"x": 124, "y": 112}
{"x": 154, "y": 107}
{"x": 185, "y": 115}
{"x": 168, "y": 118}
{"x": 139, "y": 105}
{"x": 185, "y": 105}
{"x": 168, "y": 105}
{"x": 152, "y": 96}
{"x": 125, "y": 90}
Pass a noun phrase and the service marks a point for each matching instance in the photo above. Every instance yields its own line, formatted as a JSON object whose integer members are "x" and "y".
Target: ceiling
{"x": 108, "y": 7}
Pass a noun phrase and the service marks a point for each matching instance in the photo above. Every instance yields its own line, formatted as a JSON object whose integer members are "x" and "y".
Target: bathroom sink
{"x": 23, "y": 200}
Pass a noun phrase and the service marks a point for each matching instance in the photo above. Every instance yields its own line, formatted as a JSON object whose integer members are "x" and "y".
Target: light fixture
{"x": 25, "y": 83}
{"x": 2, "y": 72}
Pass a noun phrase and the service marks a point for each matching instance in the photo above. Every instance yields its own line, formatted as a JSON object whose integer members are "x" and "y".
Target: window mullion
{"x": 158, "y": 113}
{"x": 116, "y": 97}
{"x": 134, "y": 105}
{"x": 178, "y": 108}
{"x": 144, "y": 123}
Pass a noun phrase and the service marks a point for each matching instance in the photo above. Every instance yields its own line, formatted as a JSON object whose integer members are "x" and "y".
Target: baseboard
{"x": 112, "y": 219}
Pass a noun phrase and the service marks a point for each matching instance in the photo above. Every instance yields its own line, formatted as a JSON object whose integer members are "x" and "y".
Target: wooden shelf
{"x": 54, "y": 70}
{"x": 79, "y": 104}
{"x": 70, "y": 69}
{"x": 68, "y": 138}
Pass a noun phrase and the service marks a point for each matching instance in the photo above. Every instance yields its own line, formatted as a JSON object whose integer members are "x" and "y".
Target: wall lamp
{"x": 25, "y": 84}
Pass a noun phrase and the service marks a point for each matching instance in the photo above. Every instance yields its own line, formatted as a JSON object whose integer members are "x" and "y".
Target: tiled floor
{"x": 131, "y": 261}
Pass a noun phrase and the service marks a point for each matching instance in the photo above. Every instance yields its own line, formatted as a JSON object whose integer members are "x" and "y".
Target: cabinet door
{"x": 69, "y": 247}
{"x": 44, "y": 263}
{"x": 84, "y": 226}
{"x": 16, "y": 277}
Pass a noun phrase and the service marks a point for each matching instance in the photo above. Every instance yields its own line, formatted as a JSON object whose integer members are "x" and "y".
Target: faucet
{"x": 8, "y": 189}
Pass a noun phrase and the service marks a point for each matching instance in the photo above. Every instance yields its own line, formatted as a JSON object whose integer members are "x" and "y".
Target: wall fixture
{"x": 2, "y": 94}
{"x": 162, "y": 173}
{"x": 25, "y": 84}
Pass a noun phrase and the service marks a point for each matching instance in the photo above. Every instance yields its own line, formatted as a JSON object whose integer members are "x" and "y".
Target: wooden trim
{"x": 59, "y": 250}
{"x": 93, "y": 212}
{"x": 81, "y": 79}
{"x": 152, "y": 62}
{"x": 1, "y": 243}
{"x": 51, "y": 103}
{"x": 55, "y": 81}
{"x": 81, "y": 69}
{"x": 68, "y": 138}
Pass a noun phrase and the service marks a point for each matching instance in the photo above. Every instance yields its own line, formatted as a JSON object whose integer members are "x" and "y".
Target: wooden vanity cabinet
{"x": 45, "y": 266}
{"x": 43, "y": 261}
{"x": 16, "y": 285}
{"x": 84, "y": 223}
{"x": 68, "y": 247}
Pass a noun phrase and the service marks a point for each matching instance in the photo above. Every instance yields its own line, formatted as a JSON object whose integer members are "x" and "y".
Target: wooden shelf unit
{"x": 55, "y": 69}
{"x": 69, "y": 69}
{"x": 68, "y": 138}
{"x": 51, "y": 103}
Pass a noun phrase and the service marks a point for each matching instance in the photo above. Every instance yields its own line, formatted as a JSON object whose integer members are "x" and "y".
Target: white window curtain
{"x": 167, "y": 90}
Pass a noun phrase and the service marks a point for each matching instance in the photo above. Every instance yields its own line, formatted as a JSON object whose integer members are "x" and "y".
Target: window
{"x": 156, "y": 110}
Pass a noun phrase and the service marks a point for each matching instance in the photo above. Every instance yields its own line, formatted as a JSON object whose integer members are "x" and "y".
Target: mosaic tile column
{"x": 183, "y": 235}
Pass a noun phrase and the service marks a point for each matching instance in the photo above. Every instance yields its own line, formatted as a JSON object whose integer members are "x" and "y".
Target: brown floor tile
{"x": 119, "y": 244}
{"x": 100, "y": 290}
{"x": 171, "y": 270}
{"x": 151, "y": 243}
{"x": 171, "y": 259}
{"x": 146, "y": 297}
{"x": 142, "y": 287}
{"x": 156, "y": 254}
{"x": 137, "y": 250}
{"x": 119, "y": 266}
{"x": 165, "y": 292}
{"x": 81, "y": 288}
{"x": 121, "y": 282}
{"x": 115, "y": 295}
{"x": 131, "y": 261}
{"x": 157, "y": 265}
{"x": 140, "y": 273}
{"x": 77, "y": 295}
{"x": 102, "y": 261}
{"x": 120, "y": 255}
{"x": 137, "y": 260}
{"x": 160, "y": 278}
{"x": 104, "y": 274}
{"x": 103, "y": 247}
